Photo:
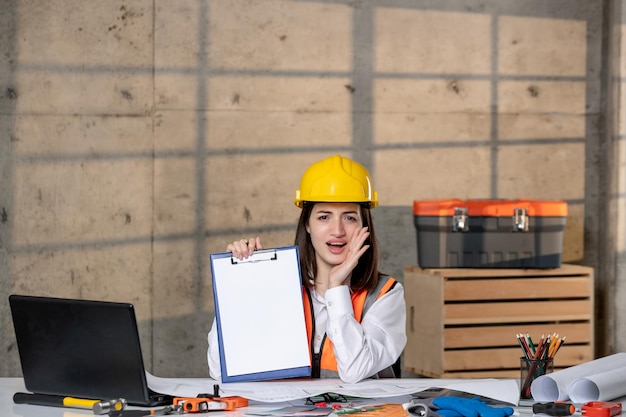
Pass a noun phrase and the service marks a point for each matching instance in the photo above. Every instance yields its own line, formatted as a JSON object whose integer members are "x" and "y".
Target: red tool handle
{"x": 601, "y": 409}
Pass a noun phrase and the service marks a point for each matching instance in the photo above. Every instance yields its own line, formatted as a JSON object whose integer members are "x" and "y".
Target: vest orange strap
{"x": 358, "y": 298}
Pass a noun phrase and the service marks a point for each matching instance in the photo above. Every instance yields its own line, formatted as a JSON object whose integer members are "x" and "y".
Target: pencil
{"x": 521, "y": 345}
{"x": 530, "y": 342}
{"x": 542, "y": 347}
{"x": 558, "y": 346}
{"x": 525, "y": 348}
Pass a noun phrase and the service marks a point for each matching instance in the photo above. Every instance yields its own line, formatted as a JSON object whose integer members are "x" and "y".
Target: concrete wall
{"x": 138, "y": 136}
{"x": 618, "y": 206}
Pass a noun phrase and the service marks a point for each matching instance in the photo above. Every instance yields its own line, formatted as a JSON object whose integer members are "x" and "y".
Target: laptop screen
{"x": 79, "y": 348}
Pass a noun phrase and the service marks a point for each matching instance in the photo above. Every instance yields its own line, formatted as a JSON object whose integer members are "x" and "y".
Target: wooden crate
{"x": 461, "y": 323}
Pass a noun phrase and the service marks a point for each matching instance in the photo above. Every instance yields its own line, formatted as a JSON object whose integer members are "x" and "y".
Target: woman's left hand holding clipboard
{"x": 243, "y": 248}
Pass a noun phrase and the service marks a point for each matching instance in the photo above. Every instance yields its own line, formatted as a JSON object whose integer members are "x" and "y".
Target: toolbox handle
{"x": 460, "y": 221}
{"x": 520, "y": 219}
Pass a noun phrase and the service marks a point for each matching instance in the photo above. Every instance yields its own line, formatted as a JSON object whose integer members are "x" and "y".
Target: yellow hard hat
{"x": 336, "y": 179}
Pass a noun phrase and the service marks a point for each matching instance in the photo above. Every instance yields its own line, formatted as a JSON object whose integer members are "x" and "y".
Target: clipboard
{"x": 259, "y": 313}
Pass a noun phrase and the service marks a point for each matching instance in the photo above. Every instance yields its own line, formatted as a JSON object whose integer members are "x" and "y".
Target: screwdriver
{"x": 554, "y": 408}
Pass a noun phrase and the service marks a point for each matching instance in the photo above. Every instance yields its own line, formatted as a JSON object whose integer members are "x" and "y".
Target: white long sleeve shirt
{"x": 361, "y": 349}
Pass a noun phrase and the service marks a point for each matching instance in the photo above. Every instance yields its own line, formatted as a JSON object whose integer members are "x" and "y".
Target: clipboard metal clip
{"x": 257, "y": 256}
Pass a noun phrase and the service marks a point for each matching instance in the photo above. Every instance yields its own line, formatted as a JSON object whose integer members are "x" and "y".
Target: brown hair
{"x": 364, "y": 275}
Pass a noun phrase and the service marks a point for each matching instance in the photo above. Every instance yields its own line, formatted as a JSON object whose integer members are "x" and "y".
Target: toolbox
{"x": 456, "y": 233}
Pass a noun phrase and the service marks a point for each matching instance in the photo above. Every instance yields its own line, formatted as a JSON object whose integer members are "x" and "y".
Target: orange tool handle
{"x": 601, "y": 409}
{"x": 239, "y": 401}
{"x": 200, "y": 405}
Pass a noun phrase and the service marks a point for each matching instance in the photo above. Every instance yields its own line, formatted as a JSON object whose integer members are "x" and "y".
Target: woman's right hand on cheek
{"x": 243, "y": 248}
{"x": 339, "y": 274}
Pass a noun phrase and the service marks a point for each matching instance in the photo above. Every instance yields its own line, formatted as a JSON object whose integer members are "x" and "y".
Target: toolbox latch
{"x": 520, "y": 220}
{"x": 459, "y": 220}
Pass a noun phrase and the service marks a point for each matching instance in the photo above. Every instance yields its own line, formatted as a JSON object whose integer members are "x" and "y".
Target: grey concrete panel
{"x": 138, "y": 137}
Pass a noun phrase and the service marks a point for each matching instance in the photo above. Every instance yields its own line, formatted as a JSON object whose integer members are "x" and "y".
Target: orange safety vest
{"x": 324, "y": 364}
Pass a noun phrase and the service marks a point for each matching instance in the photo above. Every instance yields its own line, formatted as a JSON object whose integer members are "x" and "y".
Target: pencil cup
{"x": 531, "y": 369}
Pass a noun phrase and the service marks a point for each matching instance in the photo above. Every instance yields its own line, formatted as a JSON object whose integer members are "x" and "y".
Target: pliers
{"x": 167, "y": 410}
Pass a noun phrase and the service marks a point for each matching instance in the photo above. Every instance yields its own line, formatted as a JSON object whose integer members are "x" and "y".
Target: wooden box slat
{"x": 522, "y": 288}
{"x": 515, "y": 312}
{"x": 501, "y": 336}
{"x": 458, "y": 319}
{"x": 508, "y": 358}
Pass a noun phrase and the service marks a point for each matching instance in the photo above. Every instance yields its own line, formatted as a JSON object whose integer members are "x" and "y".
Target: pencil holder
{"x": 531, "y": 369}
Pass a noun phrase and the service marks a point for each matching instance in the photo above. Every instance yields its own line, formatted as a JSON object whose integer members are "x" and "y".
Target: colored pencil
{"x": 545, "y": 349}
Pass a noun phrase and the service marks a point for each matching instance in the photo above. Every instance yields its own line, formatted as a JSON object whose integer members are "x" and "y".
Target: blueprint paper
{"x": 506, "y": 390}
{"x": 604, "y": 378}
{"x": 604, "y": 386}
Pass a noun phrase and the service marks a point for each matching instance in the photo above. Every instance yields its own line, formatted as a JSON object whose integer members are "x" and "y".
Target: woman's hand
{"x": 243, "y": 248}
{"x": 339, "y": 274}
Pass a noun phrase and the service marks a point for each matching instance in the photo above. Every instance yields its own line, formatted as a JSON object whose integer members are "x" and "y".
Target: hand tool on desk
{"x": 554, "y": 408}
{"x": 52, "y": 400}
{"x": 453, "y": 406}
{"x": 200, "y": 405}
{"x": 167, "y": 410}
{"x": 601, "y": 409}
{"x": 234, "y": 401}
{"x": 105, "y": 407}
{"x": 420, "y": 410}
{"x": 98, "y": 406}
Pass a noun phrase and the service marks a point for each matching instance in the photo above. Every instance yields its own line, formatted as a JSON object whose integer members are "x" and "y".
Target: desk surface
{"x": 9, "y": 386}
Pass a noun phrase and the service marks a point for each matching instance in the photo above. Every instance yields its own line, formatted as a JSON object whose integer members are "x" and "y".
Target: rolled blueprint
{"x": 556, "y": 386}
{"x": 604, "y": 386}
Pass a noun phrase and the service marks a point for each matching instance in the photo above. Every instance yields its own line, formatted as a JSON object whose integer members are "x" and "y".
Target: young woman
{"x": 355, "y": 315}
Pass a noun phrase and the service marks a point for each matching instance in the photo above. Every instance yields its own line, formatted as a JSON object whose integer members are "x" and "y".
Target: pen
{"x": 52, "y": 400}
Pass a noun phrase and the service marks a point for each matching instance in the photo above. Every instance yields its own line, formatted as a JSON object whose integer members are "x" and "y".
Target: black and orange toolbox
{"x": 455, "y": 233}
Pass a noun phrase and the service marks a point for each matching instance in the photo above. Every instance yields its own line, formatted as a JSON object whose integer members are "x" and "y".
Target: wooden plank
{"x": 509, "y": 358}
{"x": 517, "y": 312}
{"x": 424, "y": 322}
{"x": 517, "y": 288}
{"x": 564, "y": 270}
{"x": 504, "y": 373}
{"x": 456, "y": 333}
{"x": 503, "y": 336}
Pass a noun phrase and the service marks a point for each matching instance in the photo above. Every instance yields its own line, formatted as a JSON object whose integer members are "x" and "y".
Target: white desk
{"x": 9, "y": 386}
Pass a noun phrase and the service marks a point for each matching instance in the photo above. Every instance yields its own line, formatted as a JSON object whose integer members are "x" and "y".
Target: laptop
{"x": 81, "y": 348}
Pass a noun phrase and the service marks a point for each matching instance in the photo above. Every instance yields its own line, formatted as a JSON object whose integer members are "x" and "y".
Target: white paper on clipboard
{"x": 260, "y": 315}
